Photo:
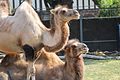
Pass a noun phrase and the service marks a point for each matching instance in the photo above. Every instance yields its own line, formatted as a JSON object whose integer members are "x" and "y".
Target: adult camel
{"x": 30, "y": 33}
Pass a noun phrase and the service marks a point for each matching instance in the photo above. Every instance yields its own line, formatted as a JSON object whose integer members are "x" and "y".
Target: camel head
{"x": 65, "y": 14}
{"x": 74, "y": 48}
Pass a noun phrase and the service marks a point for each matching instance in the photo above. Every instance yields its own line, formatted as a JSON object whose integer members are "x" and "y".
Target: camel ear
{"x": 52, "y": 11}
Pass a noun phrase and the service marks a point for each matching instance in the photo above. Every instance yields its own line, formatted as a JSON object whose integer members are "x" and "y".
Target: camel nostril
{"x": 84, "y": 46}
{"x": 75, "y": 12}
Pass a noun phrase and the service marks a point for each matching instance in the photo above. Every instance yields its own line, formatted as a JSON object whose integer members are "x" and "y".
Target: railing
{"x": 39, "y": 4}
{"x": 82, "y": 5}
{"x": 91, "y": 26}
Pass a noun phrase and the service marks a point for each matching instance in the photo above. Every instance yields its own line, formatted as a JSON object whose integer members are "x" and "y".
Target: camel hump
{"x": 29, "y": 1}
{"x": 4, "y": 8}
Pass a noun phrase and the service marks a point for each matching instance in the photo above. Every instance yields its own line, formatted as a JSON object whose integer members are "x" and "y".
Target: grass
{"x": 102, "y": 69}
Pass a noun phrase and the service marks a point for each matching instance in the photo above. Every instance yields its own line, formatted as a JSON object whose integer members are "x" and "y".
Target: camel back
{"x": 29, "y": 1}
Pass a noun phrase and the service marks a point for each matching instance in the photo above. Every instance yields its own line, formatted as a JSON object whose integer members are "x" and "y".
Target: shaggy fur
{"x": 29, "y": 30}
{"x": 49, "y": 66}
{"x": 74, "y": 64}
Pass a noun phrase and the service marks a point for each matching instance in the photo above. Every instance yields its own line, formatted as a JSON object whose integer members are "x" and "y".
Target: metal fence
{"x": 82, "y": 5}
{"x": 39, "y": 4}
{"x": 97, "y": 33}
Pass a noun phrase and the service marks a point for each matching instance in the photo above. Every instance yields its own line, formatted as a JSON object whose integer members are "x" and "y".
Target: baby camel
{"x": 73, "y": 67}
{"x": 74, "y": 64}
{"x": 50, "y": 66}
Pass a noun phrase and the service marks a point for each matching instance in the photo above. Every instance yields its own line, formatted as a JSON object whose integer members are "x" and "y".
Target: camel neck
{"x": 59, "y": 34}
{"x": 57, "y": 24}
{"x": 74, "y": 66}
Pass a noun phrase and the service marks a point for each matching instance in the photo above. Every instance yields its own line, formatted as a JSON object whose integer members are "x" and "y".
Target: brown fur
{"x": 18, "y": 67}
{"x": 59, "y": 19}
{"x": 50, "y": 67}
{"x": 14, "y": 66}
{"x": 63, "y": 40}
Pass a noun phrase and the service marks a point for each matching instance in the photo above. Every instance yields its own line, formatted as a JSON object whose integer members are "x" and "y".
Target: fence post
{"x": 81, "y": 28}
{"x": 118, "y": 40}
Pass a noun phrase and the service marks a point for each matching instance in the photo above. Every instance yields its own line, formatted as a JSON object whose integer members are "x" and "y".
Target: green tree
{"x": 108, "y": 7}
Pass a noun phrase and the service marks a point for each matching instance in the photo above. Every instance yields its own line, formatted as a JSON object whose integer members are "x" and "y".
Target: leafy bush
{"x": 109, "y": 7}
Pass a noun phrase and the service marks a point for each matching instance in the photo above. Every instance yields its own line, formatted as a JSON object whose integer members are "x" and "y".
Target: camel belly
{"x": 9, "y": 43}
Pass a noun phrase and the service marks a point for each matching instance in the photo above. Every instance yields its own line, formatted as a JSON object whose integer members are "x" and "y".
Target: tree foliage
{"x": 108, "y": 7}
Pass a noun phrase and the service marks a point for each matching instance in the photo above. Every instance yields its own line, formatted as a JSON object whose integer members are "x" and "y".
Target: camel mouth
{"x": 76, "y": 16}
{"x": 84, "y": 51}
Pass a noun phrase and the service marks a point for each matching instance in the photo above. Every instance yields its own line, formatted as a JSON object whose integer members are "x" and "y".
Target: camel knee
{"x": 10, "y": 59}
{"x": 29, "y": 52}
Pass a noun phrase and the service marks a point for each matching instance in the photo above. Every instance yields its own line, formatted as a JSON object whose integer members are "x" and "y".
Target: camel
{"x": 73, "y": 67}
{"x": 74, "y": 64}
{"x": 50, "y": 66}
{"x": 32, "y": 35}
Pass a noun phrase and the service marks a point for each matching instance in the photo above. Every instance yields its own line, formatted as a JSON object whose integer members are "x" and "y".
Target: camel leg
{"x": 10, "y": 59}
{"x": 29, "y": 52}
{"x": 3, "y": 76}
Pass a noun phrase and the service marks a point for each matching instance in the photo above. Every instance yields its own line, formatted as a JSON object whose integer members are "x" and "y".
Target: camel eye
{"x": 56, "y": 12}
{"x": 63, "y": 11}
{"x": 73, "y": 46}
